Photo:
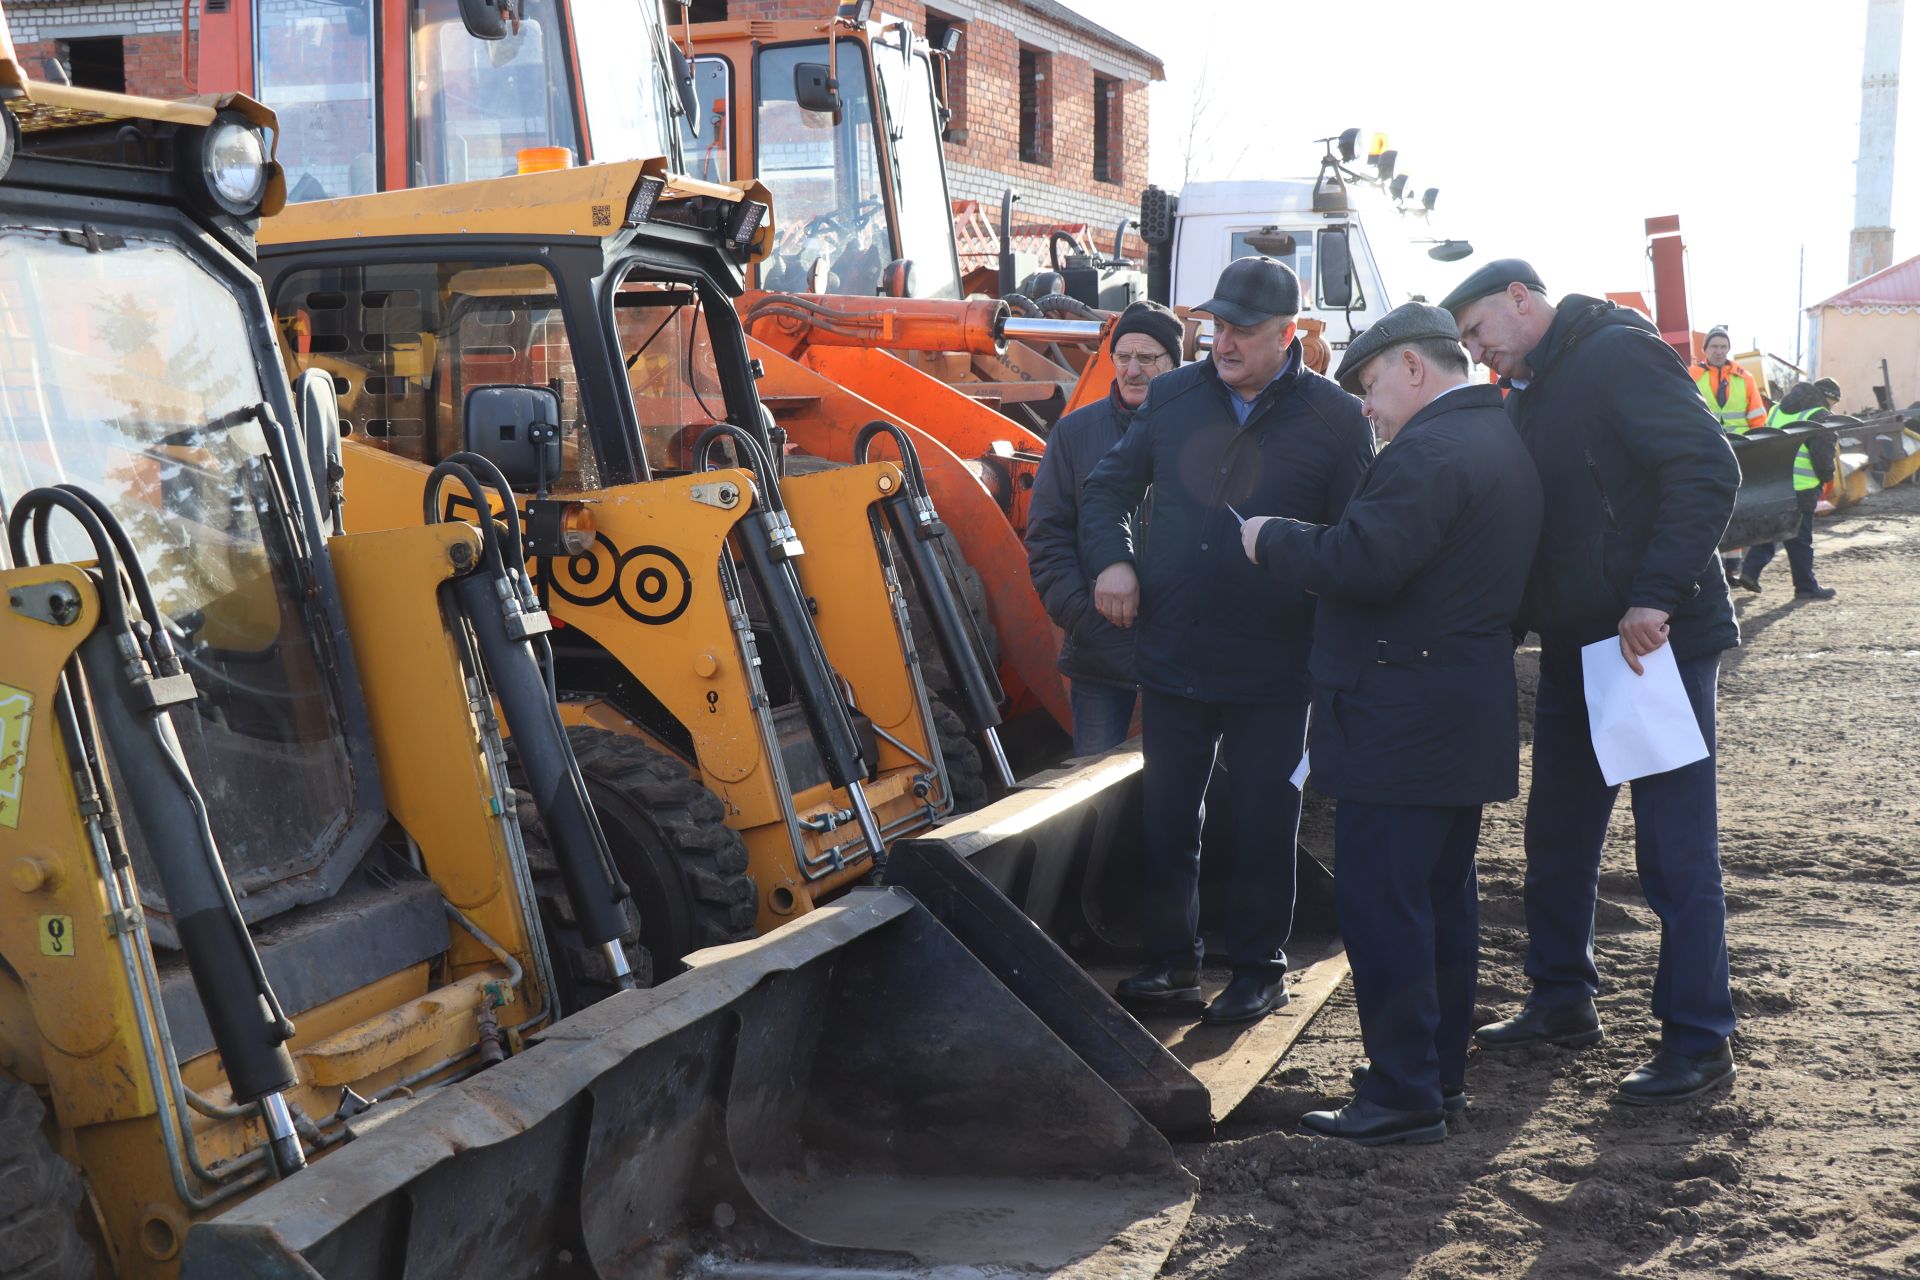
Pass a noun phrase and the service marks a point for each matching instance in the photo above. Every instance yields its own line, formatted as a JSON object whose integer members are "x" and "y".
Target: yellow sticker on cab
{"x": 16, "y": 717}
{"x": 56, "y": 936}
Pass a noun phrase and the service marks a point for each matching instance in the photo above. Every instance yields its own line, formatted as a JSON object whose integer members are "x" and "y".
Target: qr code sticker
{"x": 603, "y": 215}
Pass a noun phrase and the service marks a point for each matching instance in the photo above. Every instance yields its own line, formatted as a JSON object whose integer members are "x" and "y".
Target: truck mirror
{"x": 1336, "y": 269}
{"x": 689, "y": 95}
{"x": 317, "y": 404}
{"x": 1272, "y": 241}
{"x": 1451, "y": 251}
{"x": 516, "y": 428}
{"x": 815, "y": 89}
{"x": 485, "y": 19}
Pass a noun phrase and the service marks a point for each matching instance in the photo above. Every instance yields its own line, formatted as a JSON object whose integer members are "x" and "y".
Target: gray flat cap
{"x": 1491, "y": 279}
{"x": 1408, "y": 322}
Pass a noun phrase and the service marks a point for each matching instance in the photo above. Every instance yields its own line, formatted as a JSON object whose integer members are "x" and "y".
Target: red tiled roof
{"x": 1897, "y": 286}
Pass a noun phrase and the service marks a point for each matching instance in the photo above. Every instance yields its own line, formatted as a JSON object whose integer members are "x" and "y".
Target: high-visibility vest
{"x": 1734, "y": 414}
{"x": 1804, "y": 476}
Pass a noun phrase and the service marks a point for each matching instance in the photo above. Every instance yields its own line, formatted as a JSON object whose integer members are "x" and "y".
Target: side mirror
{"x": 517, "y": 429}
{"x": 815, "y": 89}
{"x": 485, "y": 19}
{"x": 318, "y": 406}
{"x": 1451, "y": 250}
{"x": 1273, "y": 242}
{"x": 1336, "y": 269}
{"x": 689, "y": 95}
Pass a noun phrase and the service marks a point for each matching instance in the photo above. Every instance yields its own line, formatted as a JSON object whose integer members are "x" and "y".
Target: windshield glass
{"x": 314, "y": 66}
{"x": 406, "y": 341}
{"x": 477, "y": 104}
{"x": 830, "y": 217}
{"x": 627, "y": 111}
{"x": 668, "y": 352}
{"x": 920, "y": 176}
{"x": 709, "y": 156}
{"x": 115, "y": 367}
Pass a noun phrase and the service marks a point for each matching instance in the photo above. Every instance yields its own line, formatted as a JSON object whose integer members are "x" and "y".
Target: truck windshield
{"x": 831, "y": 216}
{"x": 116, "y": 368}
{"x": 919, "y": 169}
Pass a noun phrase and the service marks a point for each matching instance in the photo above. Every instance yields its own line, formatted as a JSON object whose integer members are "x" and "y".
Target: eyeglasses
{"x": 1145, "y": 362}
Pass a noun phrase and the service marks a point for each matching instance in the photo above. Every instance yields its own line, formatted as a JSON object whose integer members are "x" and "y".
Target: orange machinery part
{"x": 790, "y": 322}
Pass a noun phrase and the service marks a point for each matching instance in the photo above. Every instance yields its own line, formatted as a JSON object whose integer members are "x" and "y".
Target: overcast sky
{"x": 1554, "y": 129}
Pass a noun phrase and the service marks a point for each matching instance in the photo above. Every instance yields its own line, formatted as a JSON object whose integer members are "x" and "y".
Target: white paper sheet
{"x": 1299, "y": 778}
{"x": 1642, "y": 725}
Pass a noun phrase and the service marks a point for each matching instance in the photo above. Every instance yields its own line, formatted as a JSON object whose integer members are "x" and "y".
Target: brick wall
{"x": 149, "y": 31}
{"x": 983, "y": 147}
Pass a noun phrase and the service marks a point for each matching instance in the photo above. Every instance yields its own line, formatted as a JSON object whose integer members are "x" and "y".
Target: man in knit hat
{"x": 1097, "y": 657}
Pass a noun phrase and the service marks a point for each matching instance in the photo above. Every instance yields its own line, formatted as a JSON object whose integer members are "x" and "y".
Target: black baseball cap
{"x": 1491, "y": 279}
{"x": 1408, "y": 322}
{"x": 1252, "y": 290}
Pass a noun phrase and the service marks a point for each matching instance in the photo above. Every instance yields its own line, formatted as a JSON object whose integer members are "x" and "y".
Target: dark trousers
{"x": 1799, "y": 548}
{"x": 1677, "y": 848}
{"x": 1259, "y": 747}
{"x": 1102, "y": 714}
{"x": 1410, "y": 914}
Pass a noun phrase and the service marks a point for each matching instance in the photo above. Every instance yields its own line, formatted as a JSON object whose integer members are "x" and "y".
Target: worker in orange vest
{"x": 1734, "y": 396}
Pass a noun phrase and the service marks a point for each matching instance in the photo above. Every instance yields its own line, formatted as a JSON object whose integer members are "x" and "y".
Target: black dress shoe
{"x": 1372, "y": 1125}
{"x": 1572, "y": 1026}
{"x": 1674, "y": 1077}
{"x": 1747, "y": 582}
{"x": 1815, "y": 593}
{"x": 1248, "y": 996}
{"x": 1160, "y": 985}
{"x": 1453, "y": 1097}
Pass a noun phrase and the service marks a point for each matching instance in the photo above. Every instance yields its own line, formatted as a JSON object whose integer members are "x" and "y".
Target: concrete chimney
{"x": 1870, "y": 248}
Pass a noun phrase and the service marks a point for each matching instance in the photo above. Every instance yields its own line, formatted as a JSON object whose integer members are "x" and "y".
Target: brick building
{"x": 130, "y": 46}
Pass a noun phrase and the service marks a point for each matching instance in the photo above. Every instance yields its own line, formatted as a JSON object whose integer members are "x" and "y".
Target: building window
{"x": 1036, "y": 106}
{"x": 1109, "y": 130}
{"x": 97, "y": 63}
{"x": 946, "y": 37}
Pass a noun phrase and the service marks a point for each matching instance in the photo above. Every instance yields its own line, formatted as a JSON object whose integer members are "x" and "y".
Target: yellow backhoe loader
{"x": 280, "y": 985}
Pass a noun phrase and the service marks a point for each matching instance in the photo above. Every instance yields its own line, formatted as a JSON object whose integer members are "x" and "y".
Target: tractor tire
{"x": 966, "y": 771}
{"x": 671, "y": 843}
{"x": 40, "y": 1237}
{"x": 580, "y": 971}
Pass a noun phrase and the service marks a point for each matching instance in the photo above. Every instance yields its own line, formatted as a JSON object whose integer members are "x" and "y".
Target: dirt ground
{"x": 1810, "y": 1166}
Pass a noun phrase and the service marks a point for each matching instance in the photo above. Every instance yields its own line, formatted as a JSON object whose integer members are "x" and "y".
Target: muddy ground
{"x": 1810, "y": 1166}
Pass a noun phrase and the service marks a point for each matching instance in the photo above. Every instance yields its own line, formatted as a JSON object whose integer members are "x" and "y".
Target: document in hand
{"x": 1642, "y": 725}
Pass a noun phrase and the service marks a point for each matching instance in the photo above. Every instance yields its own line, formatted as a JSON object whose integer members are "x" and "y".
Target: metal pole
{"x": 1800, "y": 306}
{"x": 1026, "y": 329}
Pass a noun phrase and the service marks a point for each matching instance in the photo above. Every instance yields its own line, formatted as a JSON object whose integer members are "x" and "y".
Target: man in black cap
{"x": 1416, "y": 715}
{"x": 1097, "y": 657}
{"x": 1639, "y": 484}
{"x": 1222, "y": 647}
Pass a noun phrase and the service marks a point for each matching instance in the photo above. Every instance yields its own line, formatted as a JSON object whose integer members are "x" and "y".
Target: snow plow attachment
{"x": 1766, "y": 510}
{"x": 850, "y": 1096}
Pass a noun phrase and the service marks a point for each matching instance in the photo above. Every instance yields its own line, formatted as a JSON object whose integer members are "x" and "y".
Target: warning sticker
{"x": 16, "y": 716}
{"x": 56, "y": 936}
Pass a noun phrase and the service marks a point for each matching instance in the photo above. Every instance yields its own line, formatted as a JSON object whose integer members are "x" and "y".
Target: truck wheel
{"x": 40, "y": 1196}
{"x": 670, "y": 840}
{"x": 580, "y": 971}
{"x": 966, "y": 772}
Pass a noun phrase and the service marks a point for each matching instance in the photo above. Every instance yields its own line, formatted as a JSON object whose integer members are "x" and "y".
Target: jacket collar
{"x": 1283, "y": 382}
{"x": 1121, "y": 413}
{"x": 1471, "y": 396}
{"x": 1575, "y": 317}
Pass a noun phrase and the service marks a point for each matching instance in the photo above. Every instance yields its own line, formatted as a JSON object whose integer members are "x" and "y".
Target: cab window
{"x": 832, "y": 225}
{"x": 668, "y": 352}
{"x": 481, "y": 107}
{"x": 1301, "y": 260}
{"x": 709, "y": 156}
{"x": 315, "y": 65}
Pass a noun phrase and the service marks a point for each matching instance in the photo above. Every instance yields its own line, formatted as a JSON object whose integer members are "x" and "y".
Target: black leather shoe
{"x": 1160, "y": 985}
{"x": 1674, "y": 1077}
{"x": 1453, "y": 1097}
{"x": 1248, "y": 996}
{"x": 1747, "y": 582}
{"x": 1815, "y": 593}
{"x": 1372, "y": 1125}
{"x": 1572, "y": 1026}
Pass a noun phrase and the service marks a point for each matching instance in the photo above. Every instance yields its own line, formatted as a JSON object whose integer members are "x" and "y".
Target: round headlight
{"x": 235, "y": 157}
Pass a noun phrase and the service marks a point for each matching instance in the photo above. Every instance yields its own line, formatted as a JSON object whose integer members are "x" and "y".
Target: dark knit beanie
{"x": 1156, "y": 322}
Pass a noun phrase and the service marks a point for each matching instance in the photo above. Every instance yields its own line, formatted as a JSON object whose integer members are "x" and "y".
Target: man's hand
{"x": 1116, "y": 594}
{"x": 1641, "y": 632}
{"x": 1250, "y": 536}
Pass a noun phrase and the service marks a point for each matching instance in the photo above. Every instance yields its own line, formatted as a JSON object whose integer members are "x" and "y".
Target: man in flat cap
{"x": 1639, "y": 484}
{"x": 1222, "y": 647}
{"x": 1415, "y": 710}
{"x": 1097, "y": 657}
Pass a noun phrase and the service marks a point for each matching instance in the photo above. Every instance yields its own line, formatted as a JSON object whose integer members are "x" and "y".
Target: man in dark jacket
{"x": 1221, "y": 649}
{"x": 1097, "y": 656}
{"x": 1813, "y": 467}
{"x": 1415, "y": 711}
{"x": 1639, "y": 484}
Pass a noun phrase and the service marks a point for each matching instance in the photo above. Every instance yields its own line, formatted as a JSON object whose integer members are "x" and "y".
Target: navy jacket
{"x": 1639, "y": 484}
{"x": 1419, "y": 582}
{"x": 1095, "y": 649}
{"x": 1212, "y": 626}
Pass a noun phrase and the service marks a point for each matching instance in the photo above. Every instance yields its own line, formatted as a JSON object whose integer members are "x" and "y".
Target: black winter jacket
{"x": 1414, "y": 700}
{"x": 1212, "y": 626}
{"x": 1095, "y": 649}
{"x": 1638, "y": 479}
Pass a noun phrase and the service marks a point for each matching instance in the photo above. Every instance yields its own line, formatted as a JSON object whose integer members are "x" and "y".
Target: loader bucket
{"x": 1766, "y": 510}
{"x": 1043, "y": 887}
{"x": 849, "y": 1096}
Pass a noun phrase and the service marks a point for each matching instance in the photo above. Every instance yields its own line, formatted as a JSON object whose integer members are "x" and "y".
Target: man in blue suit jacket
{"x": 1415, "y": 711}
